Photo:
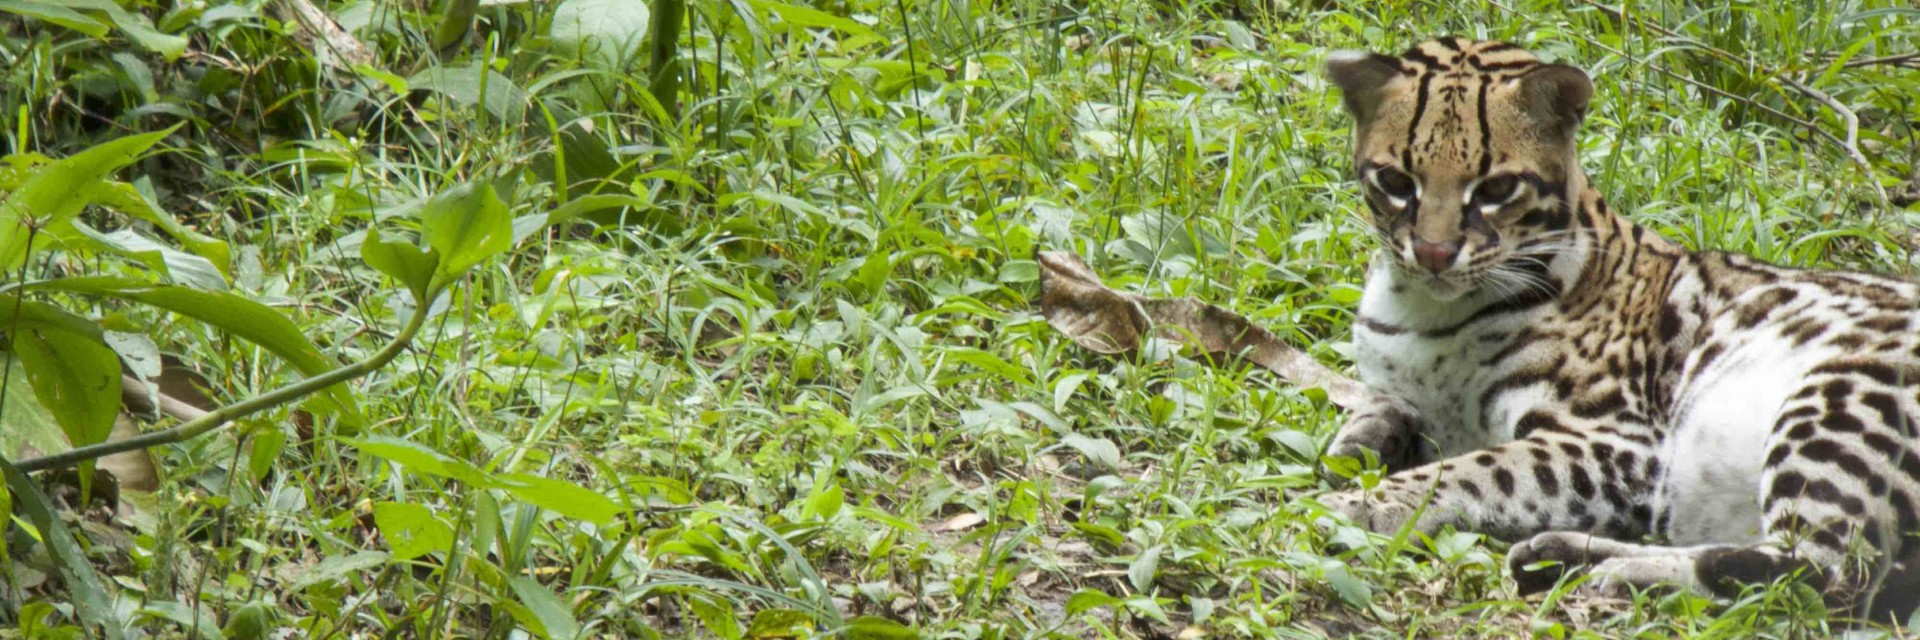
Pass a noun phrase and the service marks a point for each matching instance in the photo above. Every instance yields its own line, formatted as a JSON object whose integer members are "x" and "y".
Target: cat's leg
{"x": 1839, "y": 490}
{"x": 1559, "y": 477}
{"x": 1389, "y": 427}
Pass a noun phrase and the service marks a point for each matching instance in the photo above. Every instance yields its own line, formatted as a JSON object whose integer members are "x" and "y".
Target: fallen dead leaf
{"x": 1076, "y": 303}
{"x": 961, "y": 522}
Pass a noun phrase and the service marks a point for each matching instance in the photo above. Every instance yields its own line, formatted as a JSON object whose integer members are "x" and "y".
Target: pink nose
{"x": 1435, "y": 256}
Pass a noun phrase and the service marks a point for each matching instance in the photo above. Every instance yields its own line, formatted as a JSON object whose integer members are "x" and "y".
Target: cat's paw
{"x": 1377, "y": 512}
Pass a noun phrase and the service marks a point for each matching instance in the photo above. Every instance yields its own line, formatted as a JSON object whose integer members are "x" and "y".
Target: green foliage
{"x": 745, "y": 344}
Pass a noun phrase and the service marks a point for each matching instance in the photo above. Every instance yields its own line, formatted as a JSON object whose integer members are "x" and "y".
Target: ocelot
{"x": 1551, "y": 374}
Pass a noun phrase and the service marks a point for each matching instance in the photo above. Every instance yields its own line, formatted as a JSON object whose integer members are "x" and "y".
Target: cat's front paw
{"x": 1389, "y": 430}
{"x": 1377, "y": 512}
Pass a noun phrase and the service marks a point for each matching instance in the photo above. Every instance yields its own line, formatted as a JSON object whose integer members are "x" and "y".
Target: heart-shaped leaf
{"x": 411, "y": 530}
{"x": 607, "y": 33}
{"x": 406, "y": 263}
{"x": 465, "y": 225}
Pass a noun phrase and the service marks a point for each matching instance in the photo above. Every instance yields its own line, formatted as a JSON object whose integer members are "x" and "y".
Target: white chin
{"x": 1442, "y": 289}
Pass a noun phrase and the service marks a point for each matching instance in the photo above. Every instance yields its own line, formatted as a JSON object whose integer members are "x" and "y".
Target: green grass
{"x": 808, "y": 359}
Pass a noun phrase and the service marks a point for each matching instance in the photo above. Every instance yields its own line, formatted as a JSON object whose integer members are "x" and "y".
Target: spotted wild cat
{"x": 1562, "y": 378}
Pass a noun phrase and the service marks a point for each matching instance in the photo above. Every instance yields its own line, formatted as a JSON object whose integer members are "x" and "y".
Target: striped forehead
{"x": 1449, "y": 124}
{"x": 1458, "y": 57}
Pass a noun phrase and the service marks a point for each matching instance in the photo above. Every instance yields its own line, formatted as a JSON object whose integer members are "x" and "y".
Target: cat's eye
{"x": 1496, "y": 190}
{"x": 1394, "y": 183}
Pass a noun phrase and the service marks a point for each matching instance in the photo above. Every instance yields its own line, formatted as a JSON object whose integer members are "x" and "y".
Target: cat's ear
{"x": 1556, "y": 97}
{"x": 1362, "y": 76}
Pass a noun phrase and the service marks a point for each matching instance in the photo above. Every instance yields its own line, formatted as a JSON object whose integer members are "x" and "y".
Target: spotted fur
{"x": 1552, "y": 374}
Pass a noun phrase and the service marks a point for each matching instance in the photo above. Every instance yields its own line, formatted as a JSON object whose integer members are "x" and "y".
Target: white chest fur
{"x": 1433, "y": 353}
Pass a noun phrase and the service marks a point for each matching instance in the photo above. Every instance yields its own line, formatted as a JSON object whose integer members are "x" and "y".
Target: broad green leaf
{"x": 771, "y": 624}
{"x": 135, "y": 25}
{"x": 1144, "y": 567}
{"x": 265, "y": 449}
{"x": 1086, "y": 600}
{"x": 991, "y": 364}
{"x": 231, "y": 313}
{"x": 137, "y": 351}
{"x": 808, "y": 17}
{"x": 83, "y": 588}
{"x": 716, "y": 614}
{"x": 1351, "y": 589}
{"x": 395, "y": 83}
{"x": 403, "y": 261}
{"x": 873, "y": 272}
{"x": 23, "y": 422}
{"x": 1144, "y": 605}
{"x": 486, "y": 524}
{"x": 187, "y": 617}
{"x": 463, "y": 85}
{"x": 56, "y": 15}
{"x": 54, "y": 193}
{"x": 182, "y": 267}
{"x": 553, "y": 613}
{"x": 878, "y": 628}
{"x": 606, "y": 32}
{"x": 136, "y": 200}
{"x": 669, "y": 489}
{"x": 583, "y": 205}
{"x": 560, "y": 496}
{"x": 699, "y": 543}
{"x": 411, "y": 530}
{"x": 419, "y": 458}
{"x": 340, "y": 568}
{"x": 465, "y": 225}
{"x": 1100, "y": 451}
{"x": 137, "y": 73}
{"x": 73, "y": 372}
{"x": 826, "y": 503}
{"x": 1064, "y": 388}
{"x": 252, "y": 622}
{"x": 456, "y": 19}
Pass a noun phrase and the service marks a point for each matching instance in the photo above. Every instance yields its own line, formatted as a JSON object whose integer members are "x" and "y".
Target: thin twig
{"x": 220, "y": 417}
{"x": 132, "y": 388}
{"x": 1908, "y": 60}
{"x": 1852, "y": 143}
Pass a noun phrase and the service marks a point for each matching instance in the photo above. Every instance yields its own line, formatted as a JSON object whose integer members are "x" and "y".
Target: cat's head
{"x": 1465, "y": 152}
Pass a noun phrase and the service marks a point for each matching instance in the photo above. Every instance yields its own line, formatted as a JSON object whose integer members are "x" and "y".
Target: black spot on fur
{"x": 1549, "y": 483}
{"x": 1535, "y": 421}
{"x": 1669, "y": 324}
{"x": 1830, "y": 452}
{"x": 1581, "y": 481}
{"x": 1787, "y": 484}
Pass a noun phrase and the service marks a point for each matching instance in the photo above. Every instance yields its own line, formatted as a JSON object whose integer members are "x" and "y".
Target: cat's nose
{"x": 1435, "y": 256}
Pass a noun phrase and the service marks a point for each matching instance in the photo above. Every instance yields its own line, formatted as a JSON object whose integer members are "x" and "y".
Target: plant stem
{"x": 219, "y": 417}
{"x": 664, "y": 77}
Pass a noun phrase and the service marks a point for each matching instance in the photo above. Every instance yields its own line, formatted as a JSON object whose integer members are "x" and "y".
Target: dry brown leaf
{"x": 961, "y": 522}
{"x": 133, "y": 469}
{"x": 1077, "y": 304}
{"x": 332, "y": 45}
